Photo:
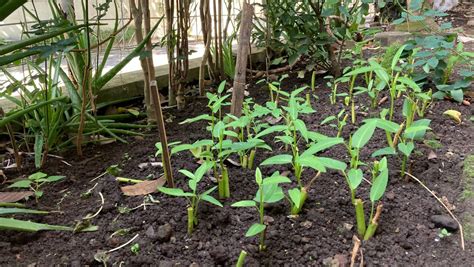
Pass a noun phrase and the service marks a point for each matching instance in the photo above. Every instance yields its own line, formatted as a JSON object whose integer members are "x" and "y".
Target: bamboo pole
{"x": 242, "y": 55}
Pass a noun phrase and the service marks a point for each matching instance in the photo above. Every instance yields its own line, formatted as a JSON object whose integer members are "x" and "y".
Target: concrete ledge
{"x": 130, "y": 84}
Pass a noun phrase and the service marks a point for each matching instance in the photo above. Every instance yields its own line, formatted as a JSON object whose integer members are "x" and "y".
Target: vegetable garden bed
{"x": 322, "y": 234}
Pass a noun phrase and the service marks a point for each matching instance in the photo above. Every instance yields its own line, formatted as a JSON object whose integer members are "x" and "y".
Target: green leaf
{"x": 355, "y": 177}
{"x": 203, "y": 169}
{"x": 258, "y": 176}
{"x": 312, "y": 162}
{"x": 244, "y": 203}
{"x": 198, "y": 118}
{"x": 301, "y": 127}
{"x": 363, "y": 134}
{"x": 255, "y": 229}
{"x": 188, "y": 174}
{"x": 221, "y": 87}
{"x": 328, "y": 119}
{"x": 276, "y": 179}
{"x": 278, "y": 159}
{"x": 379, "y": 185}
{"x": 27, "y": 226}
{"x": 177, "y": 192}
{"x": 322, "y": 145}
{"x": 397, "y": 55}
{"x": 18, "y": 211}
{"x": 211, "y": 200}
{"x": 386, "y": 125}
{"x": 410, "y": 83}
{"x": 272, "y": 129}
{"x": 37, "y": 176}
{"x": 406, "y": 148}
{"x": 384, "y": 151}
{"x": 332, "y": 163}
{"x": 21, "y": 184}
{"x": 295, "y": 196}
{"x": 417, "y": 129}
{"x": 457, "y": 95}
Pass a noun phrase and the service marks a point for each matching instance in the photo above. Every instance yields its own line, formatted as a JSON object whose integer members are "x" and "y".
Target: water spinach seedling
{"x": 193, "y": 197}
{"x": 35, "y": 181}
{"x": 379, "y": 182}
{"x": 269, "y": 191}
{"x": 341, "y": 121}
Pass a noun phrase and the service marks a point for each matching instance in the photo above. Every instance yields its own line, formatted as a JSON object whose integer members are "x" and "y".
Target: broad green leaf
{"x": 255, "y": 229}
{"x": 276, "y": 179}
{"x": 211, "y": 200}
{"x": 379, "y": 185}
{"x": 406, "y": 148}
{"x": 457, "y": 95}
{"x": 363, "y": 134}
{"x": 355, "y": 178}
{"x": 322, "y": 145}
{"x": 286, "y": 139}
{"x": 37, "y": 176}
{"x": 410, "y": 83}
{"x": 332, "y": 163}
{"x": 295, "y": 196}
{"x": 417, "y": 129}
{"x": 386, "y": 125}
{"x": 177, "y": 192}
{"x": 312, "y": 162}
{"x": 278, "y": 159}
{"x": 271, "y": 193}
{"x": 21, "y": 184}
{"x": 384, "y": 151}
{"x": 358, "y": 71}
{"x": 180, "y": 148}
{"x": 244, "y": 203}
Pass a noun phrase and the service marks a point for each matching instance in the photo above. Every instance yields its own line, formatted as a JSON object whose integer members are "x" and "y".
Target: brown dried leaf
{"x": 10, "y": 197}
{"x": 143, "y": 188}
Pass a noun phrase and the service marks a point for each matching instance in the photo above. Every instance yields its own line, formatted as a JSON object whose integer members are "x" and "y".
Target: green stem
{"x": 404, "y": 164}
{"x": 190, "y": 220}
{"x": 261, "y": 245}
{"x": 360, "y": 217}
{"x": 251, "y": 159}
{"x": 241, "y": 260}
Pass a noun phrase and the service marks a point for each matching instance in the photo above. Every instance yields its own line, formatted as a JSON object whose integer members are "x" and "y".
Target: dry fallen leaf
{"x": 143, "y": 188}
{"x": 10, "y": 197}
{"x": 450, "y": 206}
{"x": 454, "y": 115}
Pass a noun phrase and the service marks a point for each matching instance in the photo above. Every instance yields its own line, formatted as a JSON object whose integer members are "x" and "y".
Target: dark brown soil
{"x": 405, "y": 236}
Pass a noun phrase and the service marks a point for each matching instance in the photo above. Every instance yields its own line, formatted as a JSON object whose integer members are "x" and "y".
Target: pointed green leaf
{"x": 384, "y": 151}
{"x": 363, "y": 134}
{"x": 322, "y": 145}
{"x": 211, "y": 200}
{"x": 379, "y": 185}
{"x": 332, "y": 163}
{"x": 255, "y": 229}
{"x": 295, "y": 196}
{"x": 406, "y": 148}
{"x": 244, "y": 203}
{"x": 177, "y": 192}
{"x": 355, "y": 178}
{"x": 278, "y": 159}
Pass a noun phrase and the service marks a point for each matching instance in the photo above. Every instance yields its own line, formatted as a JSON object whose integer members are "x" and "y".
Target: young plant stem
{"x": 190, "y": 220}
{"x": 261, "y": 246}
{"x": 360, "y": 217}
{"x": 241, "y": 260}
{"x": 251, "y": 159}
{"x": 392, "y": 96}
{"x": 404, "y": 165}
{"x": 373, "y": 223}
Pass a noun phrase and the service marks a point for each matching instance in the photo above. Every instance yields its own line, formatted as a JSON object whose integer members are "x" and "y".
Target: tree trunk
{"x": 241, "y": 64}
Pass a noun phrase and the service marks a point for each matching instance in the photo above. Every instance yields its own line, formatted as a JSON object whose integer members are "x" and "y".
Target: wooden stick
{"x": 242, "y": 55}
{"x": 444, "y": 205}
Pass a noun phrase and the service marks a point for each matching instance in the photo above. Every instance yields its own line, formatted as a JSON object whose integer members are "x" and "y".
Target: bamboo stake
{"x": 242, "y": 55}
